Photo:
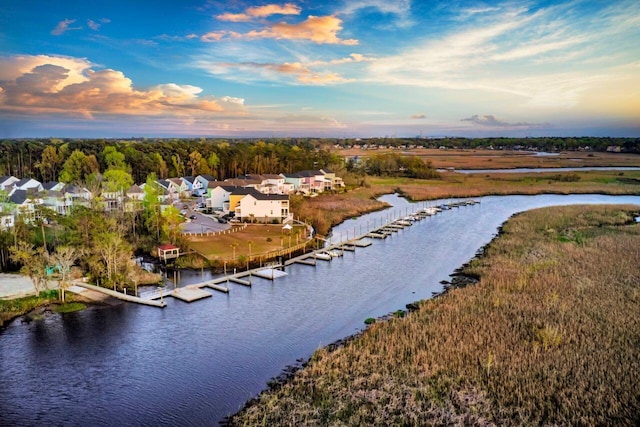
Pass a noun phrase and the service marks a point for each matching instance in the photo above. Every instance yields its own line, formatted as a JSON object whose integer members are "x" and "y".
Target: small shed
{"x": 166, "y": 252}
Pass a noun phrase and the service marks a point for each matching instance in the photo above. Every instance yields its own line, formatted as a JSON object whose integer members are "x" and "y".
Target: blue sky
{"x": 308, "y": 68}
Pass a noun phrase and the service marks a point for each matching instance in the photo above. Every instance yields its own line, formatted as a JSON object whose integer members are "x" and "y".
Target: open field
{"x": 498, "y": 159}
{"x": 549, "y": 336}
{"x": 234, "y": 247}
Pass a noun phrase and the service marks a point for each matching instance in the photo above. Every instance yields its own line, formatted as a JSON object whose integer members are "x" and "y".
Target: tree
{"x": 117, "y": 180}
{"x": 64, "y": 258}
{"x": 34, "y": 263}
{"x": 162, "y": 168}
{"x": 113, "y": 158}
{"x": 213, "y": 161}
{"x": 49, "y": 163}
{"x": 78, "y": 167}
{"x": 151, "y": 206}
{"x": 171, "y": 221}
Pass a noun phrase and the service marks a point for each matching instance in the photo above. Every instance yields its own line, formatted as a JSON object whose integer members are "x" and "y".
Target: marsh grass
{"x": 550, "y": 335}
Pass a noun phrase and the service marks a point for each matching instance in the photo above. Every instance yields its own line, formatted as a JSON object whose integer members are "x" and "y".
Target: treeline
{"x": 44, "y": 159}
{"x": 392, "y": 164}
{"x": 628, "y": 145}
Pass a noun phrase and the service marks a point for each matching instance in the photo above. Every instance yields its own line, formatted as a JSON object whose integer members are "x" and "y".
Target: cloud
{"x": 536, "y": 57}
{"x": 260, "y": 12}
{"x": 318, "y": 29}
{"x": 418, "y": 117}
{"x": 400, "y": 8}
{"x": 70, "y": 86}
{"x": 301, "y": 72}
{"x": 63, "y": 27}
{"x": 95, "y": 26}
{"x": 491, "y": 121}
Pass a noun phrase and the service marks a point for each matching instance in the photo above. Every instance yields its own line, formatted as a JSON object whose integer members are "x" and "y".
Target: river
{"x": 541, "y": 170}
{"x": 193, "y": 364}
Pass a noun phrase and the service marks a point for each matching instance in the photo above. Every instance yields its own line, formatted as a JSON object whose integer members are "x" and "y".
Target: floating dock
{"x": 270, "y": 273}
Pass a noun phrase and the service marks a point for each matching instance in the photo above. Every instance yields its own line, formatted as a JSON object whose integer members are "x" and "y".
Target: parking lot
{"x": 202, "y": 224}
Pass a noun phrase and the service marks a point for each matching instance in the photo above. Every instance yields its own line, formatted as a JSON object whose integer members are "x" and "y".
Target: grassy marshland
{"x": 550, "y": 335}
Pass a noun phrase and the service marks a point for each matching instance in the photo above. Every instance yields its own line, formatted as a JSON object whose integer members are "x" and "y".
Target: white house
{"x": 25, "y": 204}
{"x": 259, "y": 207}
{"x": 219, "y": 197}
{"x": 201, "y": 184}
{"x": 56, "y": 201}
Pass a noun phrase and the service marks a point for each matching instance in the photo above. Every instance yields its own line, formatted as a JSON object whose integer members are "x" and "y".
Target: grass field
{"x": 498, "y": 159}
{"x": 549, "y": 336}
{"x": 234, "y": 247}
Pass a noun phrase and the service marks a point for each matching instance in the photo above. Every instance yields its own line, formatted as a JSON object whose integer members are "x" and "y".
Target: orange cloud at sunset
{"x": 49, "y": 84}
{"x": 260, "y": 12}
{"x": 319, "y": 29}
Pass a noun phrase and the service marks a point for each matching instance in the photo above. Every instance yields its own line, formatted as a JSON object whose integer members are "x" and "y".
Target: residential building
{"x": 201, "y": 184}
{"x": 28, "y": 184}
{"x": 219, "y": 197}
{"x": 255, "y": 206}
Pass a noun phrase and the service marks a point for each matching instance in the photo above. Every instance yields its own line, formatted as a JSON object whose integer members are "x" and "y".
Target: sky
{"x": 357, "y": 68}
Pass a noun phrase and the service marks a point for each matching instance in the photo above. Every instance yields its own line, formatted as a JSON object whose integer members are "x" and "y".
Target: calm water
{"x": 192, "y": 364}
{"x": 526, "y": 170}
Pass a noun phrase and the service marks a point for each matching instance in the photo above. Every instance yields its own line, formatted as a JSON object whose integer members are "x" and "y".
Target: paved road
{"x": 15, "y": 285}
{"x": 203, "y": 224}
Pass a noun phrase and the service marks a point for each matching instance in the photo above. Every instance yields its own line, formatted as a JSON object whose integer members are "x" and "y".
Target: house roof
{"x": 18, "y": 197}
{"x": 163, "y": 183}
{"x": 74, "y": 189}
{"x": 6, "y": 178}
{"x": 167, "y": 247}
{"x": 243, "y": 182}
{"x": 176, "y": 181}
{"x": 49, "y": 185}
{"x": 207, "y": 177}
{"x": 310, "y": 173}
{"x": 227, "y": 188}
{"x": 22, "y": 182}
{"x": 135, "y": 189}
{"x": 189, "y": 179}
{"x": 258, "y": 195}
{"x": 292, "y": 175}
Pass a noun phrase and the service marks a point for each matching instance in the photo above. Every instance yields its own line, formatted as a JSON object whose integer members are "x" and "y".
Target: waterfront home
{"x": 296, "y": 181}
{"x": 255, "y": 206}
{"x": 314, "y": 181}
{"x": 332, "y": 182}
